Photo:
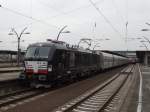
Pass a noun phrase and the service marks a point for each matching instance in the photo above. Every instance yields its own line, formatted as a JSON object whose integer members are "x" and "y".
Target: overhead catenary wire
{"x": 105, "y": 18}
{"x": 42, "y": 21}
{"x": 29, "y": 17}
{"x": 67, "y": 12}
{"x": 118, "y": 11}
{"x": 123, "y": 21}
{"x": 34, "y": 19}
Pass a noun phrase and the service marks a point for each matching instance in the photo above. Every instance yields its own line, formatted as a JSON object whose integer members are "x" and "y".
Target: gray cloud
{"x": 80, "y": 17}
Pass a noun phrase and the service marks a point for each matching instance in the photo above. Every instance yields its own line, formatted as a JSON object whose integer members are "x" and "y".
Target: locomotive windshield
{"x": 30, "y": 52}
{"x": 38, "y": 52}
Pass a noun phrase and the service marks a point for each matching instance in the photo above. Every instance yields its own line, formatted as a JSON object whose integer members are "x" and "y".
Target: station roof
{"x": 9, "y": 52}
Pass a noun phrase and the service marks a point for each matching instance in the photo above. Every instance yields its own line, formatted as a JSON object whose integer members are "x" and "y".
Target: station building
{"x": 144, "y": 57}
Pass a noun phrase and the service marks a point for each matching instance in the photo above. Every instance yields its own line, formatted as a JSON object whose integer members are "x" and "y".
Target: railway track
{"x": 101, "y": 97}
{"x": 8, "y": 86}
{"x": 18, "y": 96}
{"x": 9, "y": 79}
{"x": 12, "y": 93}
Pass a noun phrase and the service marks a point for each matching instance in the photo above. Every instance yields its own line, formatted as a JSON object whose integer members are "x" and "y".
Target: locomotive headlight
{"x": 22, "y": 76}
{"x": 50, "y": 68}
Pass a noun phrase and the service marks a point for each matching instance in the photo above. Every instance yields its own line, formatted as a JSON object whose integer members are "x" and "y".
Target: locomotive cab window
{"x": 30, "y": 52}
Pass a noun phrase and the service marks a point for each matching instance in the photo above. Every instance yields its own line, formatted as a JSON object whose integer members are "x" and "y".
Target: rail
{"x": 98, "y": 98}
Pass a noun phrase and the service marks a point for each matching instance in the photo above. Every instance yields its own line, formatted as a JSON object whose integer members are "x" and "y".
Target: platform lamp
{"x": 61, "y": 31}
{"x": 14, "y": 32}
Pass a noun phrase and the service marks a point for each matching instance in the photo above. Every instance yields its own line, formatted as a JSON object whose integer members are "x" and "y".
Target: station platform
{"x": 2, "y": 65}
{"x": 9, "y": 73}
{"x": 146, "y": 88}
{"x": 10, "y": 69}
{"x": 137, "y": 101}
{"x": 9, "y": 76}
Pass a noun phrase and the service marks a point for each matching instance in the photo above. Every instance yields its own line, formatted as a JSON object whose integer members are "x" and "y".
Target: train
{"x": 48, "y": 62}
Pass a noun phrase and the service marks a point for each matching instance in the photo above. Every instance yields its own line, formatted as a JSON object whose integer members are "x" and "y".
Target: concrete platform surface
{"x": 146, "y": 89}
{"x": 50, "y": 101}
{"x": 132, "y": 101}
{"x": 57, "y": 97}
{"x": 10, "y": 69}
{"x": 9, "y": 76}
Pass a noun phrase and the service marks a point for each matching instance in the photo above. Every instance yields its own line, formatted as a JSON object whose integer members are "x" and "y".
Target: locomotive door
{"x": 59, "y": 61}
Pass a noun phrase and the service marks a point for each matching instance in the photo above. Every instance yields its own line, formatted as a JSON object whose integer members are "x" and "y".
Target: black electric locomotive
{"x": 48, "y": 62}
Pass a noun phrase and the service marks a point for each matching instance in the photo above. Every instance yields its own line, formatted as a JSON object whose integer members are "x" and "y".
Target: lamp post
{"x": 14, "y": 32}
{"x": 17, "y": 41}
{"x": 61, "y": 31}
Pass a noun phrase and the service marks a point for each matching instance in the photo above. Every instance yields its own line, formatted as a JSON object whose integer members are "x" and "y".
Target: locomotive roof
{"x": 114, "y": 53}
{"x": 61, "y": 45}
{"x": 65, "y": 46}
{"x": 109, "y": 53}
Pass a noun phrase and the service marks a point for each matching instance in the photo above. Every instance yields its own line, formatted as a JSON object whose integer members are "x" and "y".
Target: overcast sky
{"x": 45, "y": 18}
